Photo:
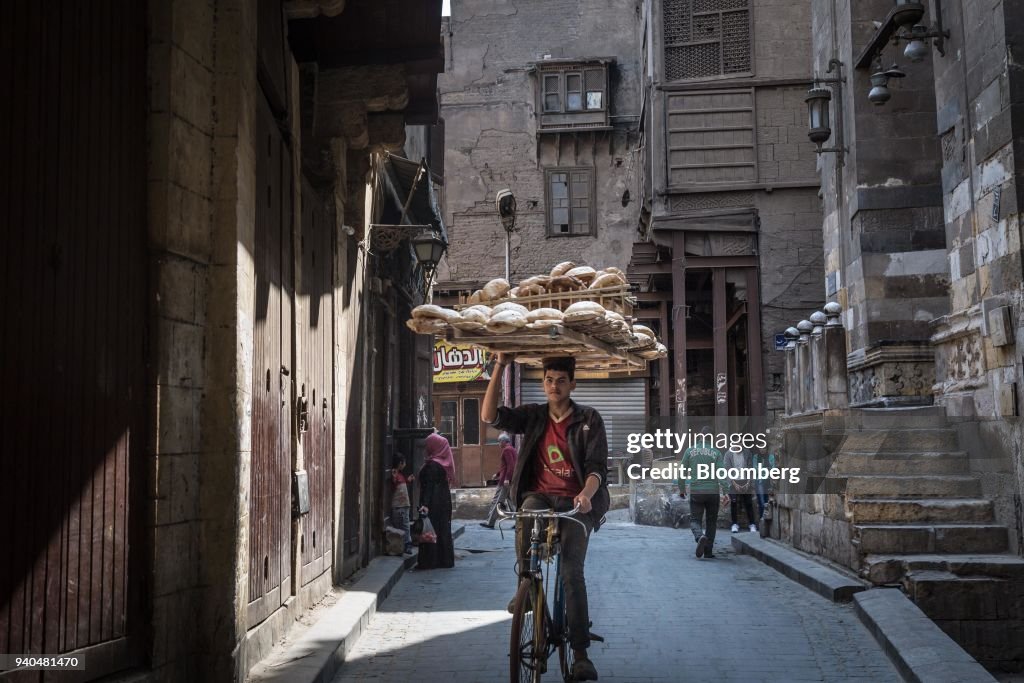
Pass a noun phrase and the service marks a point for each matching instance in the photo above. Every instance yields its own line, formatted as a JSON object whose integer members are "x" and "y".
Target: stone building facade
{"x": 500, "y": 133}
{"x": 730, "y": 233}
{"x": 915, "y": 438}
{"x": 221, "y": 326}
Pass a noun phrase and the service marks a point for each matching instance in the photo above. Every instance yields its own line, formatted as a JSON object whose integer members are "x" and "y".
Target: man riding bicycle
{"x": 563, "y": 463}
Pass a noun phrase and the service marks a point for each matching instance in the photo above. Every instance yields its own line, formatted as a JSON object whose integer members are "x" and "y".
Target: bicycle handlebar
{"x": 545, "y": 514}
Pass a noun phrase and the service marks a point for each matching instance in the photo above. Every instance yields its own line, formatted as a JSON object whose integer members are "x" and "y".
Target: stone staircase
{"x": 920, "y": 521}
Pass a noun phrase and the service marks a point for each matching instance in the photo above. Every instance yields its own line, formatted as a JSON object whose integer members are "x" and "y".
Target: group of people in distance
{"x": 709, "y": 494}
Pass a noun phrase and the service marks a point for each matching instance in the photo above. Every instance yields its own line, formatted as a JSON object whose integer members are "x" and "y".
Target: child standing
{"x": 400, "y": 503}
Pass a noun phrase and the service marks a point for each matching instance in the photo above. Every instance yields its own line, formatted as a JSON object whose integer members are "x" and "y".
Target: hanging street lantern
{"x": 818, "y": 128}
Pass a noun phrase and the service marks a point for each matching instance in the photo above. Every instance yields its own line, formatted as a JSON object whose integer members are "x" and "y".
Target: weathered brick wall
{"x": 487, "y": 102}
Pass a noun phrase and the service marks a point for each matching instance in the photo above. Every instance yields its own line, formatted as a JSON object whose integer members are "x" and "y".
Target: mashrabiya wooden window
{"x": 706, "y": 39}
{"x": 573, "y": 96}
{"x": 570, "y": 195}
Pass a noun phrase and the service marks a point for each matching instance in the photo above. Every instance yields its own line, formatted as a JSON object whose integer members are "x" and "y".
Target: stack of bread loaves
{"x": 565, "y": 277}
{"x": 537, "y": 303}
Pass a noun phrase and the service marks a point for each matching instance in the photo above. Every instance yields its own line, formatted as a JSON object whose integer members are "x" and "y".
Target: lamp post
{"x": 505, "y": 202}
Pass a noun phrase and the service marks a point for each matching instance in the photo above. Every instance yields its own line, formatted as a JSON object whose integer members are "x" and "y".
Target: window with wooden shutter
{"x": 570, "y": 200}
{"x": 573, "y": 95}
{"x": 595, "y": 88}
{"x": 552, "y": 93}
{"x": 706, "y": 39}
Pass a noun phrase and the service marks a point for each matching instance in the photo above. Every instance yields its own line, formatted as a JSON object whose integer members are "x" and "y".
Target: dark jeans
{"x": 574, "y": 555}
{"x": 701, "y": 504}
{"x": 762, "y": 497}
{"x": 747, "y": 500}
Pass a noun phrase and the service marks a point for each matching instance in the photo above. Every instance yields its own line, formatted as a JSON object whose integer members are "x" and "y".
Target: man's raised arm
{"x": 489, "y": 410}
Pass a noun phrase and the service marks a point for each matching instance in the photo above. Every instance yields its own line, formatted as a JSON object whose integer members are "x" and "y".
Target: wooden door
{"x": 315, "y": 385}
{"x": 75, "y": 350}
{"x": 471, "y": 443}
{"x": 270, "y": 469}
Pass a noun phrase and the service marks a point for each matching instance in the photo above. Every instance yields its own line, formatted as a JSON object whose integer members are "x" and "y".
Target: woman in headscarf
{"x": 437, "y": 476}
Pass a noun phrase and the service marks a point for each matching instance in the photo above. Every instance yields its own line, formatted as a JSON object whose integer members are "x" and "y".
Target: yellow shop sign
{"x": 458, "y": 363}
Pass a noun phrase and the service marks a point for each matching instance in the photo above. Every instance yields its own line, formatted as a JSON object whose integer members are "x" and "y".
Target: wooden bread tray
{"x": 618, "y": 298}
{"x": 533, "y": 346}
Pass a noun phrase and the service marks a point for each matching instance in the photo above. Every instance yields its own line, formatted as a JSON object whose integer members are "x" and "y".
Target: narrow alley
{"x": 664, "y": 614}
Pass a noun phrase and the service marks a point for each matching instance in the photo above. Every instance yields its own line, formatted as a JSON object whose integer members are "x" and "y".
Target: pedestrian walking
{"x": 504, "y": 477}
{"x": 707, "y": 493}
{"x": 400, "y": 503}
{"x": 741, "y": 490}
{"x": 764, "y": 487}
{"x": 437, "y": 476}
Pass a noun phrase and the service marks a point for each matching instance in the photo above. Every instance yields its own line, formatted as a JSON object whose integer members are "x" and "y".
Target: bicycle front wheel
{"x": 566, "y": 658}
{"x": 527, "y": 652}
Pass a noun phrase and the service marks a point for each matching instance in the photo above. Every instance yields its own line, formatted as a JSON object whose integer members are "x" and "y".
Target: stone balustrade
{"x": 816, "y": 363}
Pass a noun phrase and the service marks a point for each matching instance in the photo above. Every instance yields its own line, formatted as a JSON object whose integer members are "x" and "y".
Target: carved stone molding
{"x": 887, "y": 375}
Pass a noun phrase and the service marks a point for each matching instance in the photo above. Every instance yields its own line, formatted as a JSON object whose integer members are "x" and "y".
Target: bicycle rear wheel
{"x": 527, "y": 649}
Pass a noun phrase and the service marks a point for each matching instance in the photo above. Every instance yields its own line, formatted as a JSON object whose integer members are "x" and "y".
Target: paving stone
{"x": 665, "y": 615}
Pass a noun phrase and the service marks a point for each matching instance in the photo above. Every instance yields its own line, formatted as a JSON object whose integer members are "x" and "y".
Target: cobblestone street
{"x": 665, "y": 615}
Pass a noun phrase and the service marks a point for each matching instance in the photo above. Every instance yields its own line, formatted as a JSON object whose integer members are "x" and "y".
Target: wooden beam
{"x": 663, "y": 268}
{"x": 721, "y": 379}
{"x": 754, "y": 348}
{"x": 664, "y": 372}
{"x": 678, "y": 318}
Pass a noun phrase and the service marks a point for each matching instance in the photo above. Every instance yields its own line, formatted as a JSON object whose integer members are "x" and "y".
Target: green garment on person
{"x": 695, "y": 456}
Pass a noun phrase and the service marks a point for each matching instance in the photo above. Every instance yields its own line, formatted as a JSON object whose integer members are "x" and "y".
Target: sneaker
{"x": 709, "y": 555}
{"x": 735, "y": 528}
{"x": 583, "y": 669}
{"x": 702, "y": 544}
{"x": 753, "y": 528}
{"x": 486, "y": 525}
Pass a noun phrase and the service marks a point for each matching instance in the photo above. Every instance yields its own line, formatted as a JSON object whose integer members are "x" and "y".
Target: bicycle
{"x": 536, "y": 632}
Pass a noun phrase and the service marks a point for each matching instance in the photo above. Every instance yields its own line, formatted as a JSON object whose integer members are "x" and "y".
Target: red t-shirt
{"x": 555, "y": 474}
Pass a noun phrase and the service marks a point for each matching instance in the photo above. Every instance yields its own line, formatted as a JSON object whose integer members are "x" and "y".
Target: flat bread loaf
{"x": 585, "y": 307}
{"x": 585, "y": 274}
{"x": 509, "y": 306}
{"x": 551, "y": 314}
{"x": 432, "y": 311}
{"x": 495, "y": 289}
{"x": 607, "y": 280}
{"x": 562, "y": 268}
{"x": 426, "y": 325}
{"x": 474, "y": 315}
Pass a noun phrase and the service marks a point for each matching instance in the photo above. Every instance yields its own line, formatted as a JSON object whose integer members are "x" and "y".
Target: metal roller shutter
{"x": 621, "y": 402}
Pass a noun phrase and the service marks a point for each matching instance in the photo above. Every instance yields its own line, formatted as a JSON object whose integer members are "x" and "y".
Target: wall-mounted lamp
{"x": 902, "y": 24}
{"x": 429, "y": 248}
{"x": 879, "y": 93}
{"x": 819, "y": 99}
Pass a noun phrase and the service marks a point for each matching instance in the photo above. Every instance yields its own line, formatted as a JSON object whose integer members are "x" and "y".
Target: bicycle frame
{"x": 549, "y": 628}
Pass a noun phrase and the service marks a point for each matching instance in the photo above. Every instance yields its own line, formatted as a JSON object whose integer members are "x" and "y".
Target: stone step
{"x": 850, "y": 463}
{"x": 882, "y": 569}
{"x": 913, "y": 486}
{"x": 931, "y": 538}
{"x": 867, "y": 510}
{"x": 943, "y": 595}
{"x": 887, "y": 418}
{"x": 900, "y": 440}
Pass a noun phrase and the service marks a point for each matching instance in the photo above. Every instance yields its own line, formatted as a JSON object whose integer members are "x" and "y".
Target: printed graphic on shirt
{"x": 557, "y": 462}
